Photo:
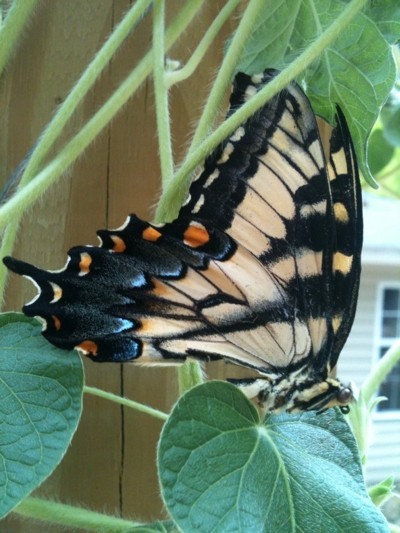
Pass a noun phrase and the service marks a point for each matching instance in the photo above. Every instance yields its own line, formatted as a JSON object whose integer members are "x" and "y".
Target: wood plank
{"x": 110, "y": 466}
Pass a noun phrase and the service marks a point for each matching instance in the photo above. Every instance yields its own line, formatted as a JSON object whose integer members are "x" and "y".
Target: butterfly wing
{"x": 244, "y": 273}
{"x": 347, "y": 209}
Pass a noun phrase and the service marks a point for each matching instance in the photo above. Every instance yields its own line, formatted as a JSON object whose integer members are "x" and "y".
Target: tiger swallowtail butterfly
{"x": 261, "y": 268}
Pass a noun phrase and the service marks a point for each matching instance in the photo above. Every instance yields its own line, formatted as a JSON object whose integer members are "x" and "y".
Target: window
{"x": 388, "y": 332}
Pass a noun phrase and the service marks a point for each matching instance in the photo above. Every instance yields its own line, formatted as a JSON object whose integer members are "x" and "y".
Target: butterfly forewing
{"x": 347, "y": 207}
{"x": 275, "y": 209}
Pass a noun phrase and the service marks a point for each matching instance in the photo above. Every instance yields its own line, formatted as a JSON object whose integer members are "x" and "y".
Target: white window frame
{"x": 378, "y": 342}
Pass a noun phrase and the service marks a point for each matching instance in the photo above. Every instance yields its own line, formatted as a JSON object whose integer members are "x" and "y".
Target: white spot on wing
{"x": 226, "y": 153}
{"x": 211, "y": 178}
{"x": 250, "y": 91}
{"x": 257, "y": 78}
{"x": 311, "y": 209}
{"x": 187, "y": 200}
{"x": 238, "y": 134}
{"x": 199, "y": 204}
{"x": 198, "y": 174}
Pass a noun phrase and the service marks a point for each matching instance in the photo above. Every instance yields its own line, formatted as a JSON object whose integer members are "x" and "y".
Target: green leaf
{"x": 41, "y": 393}
{"x": 386, "y": 14}
{"x": 221, "y": 469}
{"x": 270, "y": 44}
{"x": 356, "y": 72}
{"x": 391, "y": 121}
{"x": 380, "y": 152}
{"x": 381, "y": 492}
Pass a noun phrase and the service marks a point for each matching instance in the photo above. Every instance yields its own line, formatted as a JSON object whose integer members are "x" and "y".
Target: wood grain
{"x": 110, "y": 466}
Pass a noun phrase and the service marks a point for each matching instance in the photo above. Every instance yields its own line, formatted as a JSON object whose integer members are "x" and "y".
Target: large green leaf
{"x": 380, "y": 152}
{"x": 355, "y": 72}
{"x": 40, "y": 405}
{"x": 391, "y": 121}
{"x": 222, "y": 469}
{"x": 386, "y": 14}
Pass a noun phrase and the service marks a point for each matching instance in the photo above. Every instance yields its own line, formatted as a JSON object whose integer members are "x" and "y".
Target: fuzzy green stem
{"x": 13, "y": 26}
{"x": 189, "y": 375}
{"x": 359, "y": 420}
{"x": 380, "y": 371}
{"x": 124, "y": 401}
{"x": 34, "y": 189}
{"x": 161, "y": 93}
{"x": 226, "y": 71}
{"x": 193, "y": 62}
{"x": 82, "y": 87}
{"x": 359, "y": 417}
{"x": 176, "y": 191}
{"x": 72, "y": 517}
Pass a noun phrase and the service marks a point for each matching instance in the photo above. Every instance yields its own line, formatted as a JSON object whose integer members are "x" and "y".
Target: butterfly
{"x": 261, "y": 268}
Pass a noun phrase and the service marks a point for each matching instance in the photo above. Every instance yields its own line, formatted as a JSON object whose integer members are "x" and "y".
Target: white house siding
{"x": 383, "y": 459}
{"x": 355, "y": 363}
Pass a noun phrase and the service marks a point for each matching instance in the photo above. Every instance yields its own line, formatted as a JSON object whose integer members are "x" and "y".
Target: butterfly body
{"x": 261, "y": 267}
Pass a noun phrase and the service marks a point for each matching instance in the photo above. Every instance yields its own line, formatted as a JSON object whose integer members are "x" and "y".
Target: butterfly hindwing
{"x": 258, "y": 268}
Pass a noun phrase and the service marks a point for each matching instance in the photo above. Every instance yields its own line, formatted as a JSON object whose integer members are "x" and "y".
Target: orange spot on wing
{"x": 196, "y": 236}
{"x": 87, "y": 347}
{"x": 84, "y": 263}
{"x": 119, "y": 244}
{"x": 57, "y": 322}
{"x": 151, "y": 234}
{"x": 145, "y": 325}
{"x": 159, "y": 288}
{"x": 57, "y": 291}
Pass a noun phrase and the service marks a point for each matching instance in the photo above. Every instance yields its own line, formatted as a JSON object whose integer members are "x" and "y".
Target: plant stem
{"x": 161, "y": 93}
{"x": 124, "y": 401}
{"x": 72, "y": 517}
{"x": 171, "y": 78}
{"x": 176, "y": 191}
{"x": 189, "y": 375}
{"x": 46, "y": 177}
{"x": 11, "y": 31}
{"x": 82, "y": 87}
{"x": 226, "y": 71}
{"x": 380, "y": 371}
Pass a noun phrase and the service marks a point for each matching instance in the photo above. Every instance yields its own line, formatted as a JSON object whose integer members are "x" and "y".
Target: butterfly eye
{"x": 344, "y": 396}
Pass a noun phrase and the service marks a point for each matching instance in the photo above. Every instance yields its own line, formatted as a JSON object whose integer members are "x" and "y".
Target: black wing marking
{"x": 245, "y": 272}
